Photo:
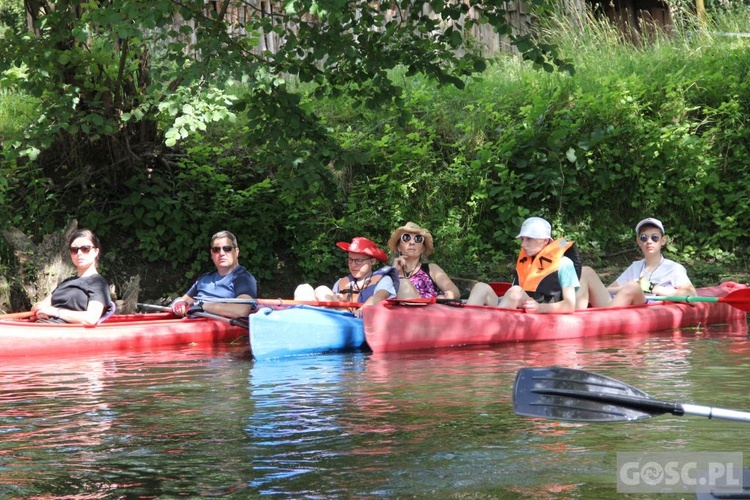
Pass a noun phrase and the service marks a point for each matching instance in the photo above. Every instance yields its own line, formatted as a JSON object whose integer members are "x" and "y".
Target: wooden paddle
{"x": 241, "y": 322}
{"x": 567, "y": 394}
{"x": 18, "y": 315}
{"x": 738, "y": 298}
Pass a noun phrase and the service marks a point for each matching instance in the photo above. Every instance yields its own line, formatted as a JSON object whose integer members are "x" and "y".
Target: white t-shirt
{"x": 669, "y": 273}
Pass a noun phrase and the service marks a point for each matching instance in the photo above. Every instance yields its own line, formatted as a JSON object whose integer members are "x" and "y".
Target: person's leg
{"x": 482, "y": 295}
{"x": 304, "y": 292}
{"x": 325, "y": 294}
{"x": 630, "y": 294}
{"x": 406, "y": 289}
{"x": 514, "y": 298}
{"x": 592, "y": 291}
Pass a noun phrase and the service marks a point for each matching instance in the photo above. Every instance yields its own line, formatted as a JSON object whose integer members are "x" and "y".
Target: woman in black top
{"x": 83, "y": 298}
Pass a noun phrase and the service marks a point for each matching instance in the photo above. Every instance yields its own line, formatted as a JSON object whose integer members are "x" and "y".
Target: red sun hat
{"x": 363, "y": 246}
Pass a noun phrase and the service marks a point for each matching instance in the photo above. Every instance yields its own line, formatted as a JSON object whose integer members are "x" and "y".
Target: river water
{"x": 210, "y": 422}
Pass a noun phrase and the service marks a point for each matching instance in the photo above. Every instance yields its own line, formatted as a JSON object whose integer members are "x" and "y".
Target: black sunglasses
{"x": 644, "y": 238}
{"x": 226, "y": 248}
{"x": 406, "y": 238}
{"x": 84, "y": 249}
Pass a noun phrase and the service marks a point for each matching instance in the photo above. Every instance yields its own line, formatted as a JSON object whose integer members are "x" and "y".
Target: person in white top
{"x": 653, "y": 275}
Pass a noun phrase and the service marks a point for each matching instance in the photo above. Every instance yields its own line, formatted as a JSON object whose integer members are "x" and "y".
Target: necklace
{"x": 365, "y": 282}
{"x": 411, "y": 273}
{"x": 643, "y": 272}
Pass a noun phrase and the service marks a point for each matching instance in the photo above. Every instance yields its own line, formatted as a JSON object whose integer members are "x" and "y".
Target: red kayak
{"x": 400, "y": 326}
{"x": 130, "y": 332}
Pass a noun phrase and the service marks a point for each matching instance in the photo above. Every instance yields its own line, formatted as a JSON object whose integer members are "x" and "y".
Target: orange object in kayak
{"x": 400, "y": 326}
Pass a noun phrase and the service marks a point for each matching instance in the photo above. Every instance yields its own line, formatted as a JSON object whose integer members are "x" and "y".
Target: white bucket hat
{"x": 535, "y": 227}
{"x": 651, "y": 222}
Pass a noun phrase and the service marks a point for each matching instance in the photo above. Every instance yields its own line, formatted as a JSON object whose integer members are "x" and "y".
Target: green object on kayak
{"x": 739, "y": 299}
{"x": 567, "y": 394}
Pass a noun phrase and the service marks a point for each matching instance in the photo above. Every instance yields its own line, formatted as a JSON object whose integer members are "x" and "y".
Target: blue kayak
{"x": 276, "y": 333}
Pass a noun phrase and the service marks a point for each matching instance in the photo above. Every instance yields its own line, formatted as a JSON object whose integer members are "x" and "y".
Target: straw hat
{"x": 363, "y": 246}
{"x": 412, "y": 228}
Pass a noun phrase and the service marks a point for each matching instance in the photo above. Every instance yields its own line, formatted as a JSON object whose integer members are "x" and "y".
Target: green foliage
{"x": 170, "y": 215}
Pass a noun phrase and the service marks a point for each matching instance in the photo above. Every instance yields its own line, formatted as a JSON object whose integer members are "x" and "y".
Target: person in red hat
{"x": 363, "y": 284}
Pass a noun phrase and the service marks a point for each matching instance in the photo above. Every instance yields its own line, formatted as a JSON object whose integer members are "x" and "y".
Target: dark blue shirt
{"x": 213, "y": 285}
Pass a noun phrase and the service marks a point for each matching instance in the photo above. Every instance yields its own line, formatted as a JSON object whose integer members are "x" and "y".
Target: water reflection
{"x": 198, "y": 423}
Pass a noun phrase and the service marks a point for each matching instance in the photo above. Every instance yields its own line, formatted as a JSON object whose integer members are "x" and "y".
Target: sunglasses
{"x": 358, "y": 262}
{"x": 406, "y": 238}
{"x": 226, "y": 248}
{"x": 84, "y": 249}
{"x": 644, "y": 238}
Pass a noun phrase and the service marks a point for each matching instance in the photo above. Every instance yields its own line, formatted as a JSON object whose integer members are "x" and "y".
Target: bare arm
{"x": 230, "y": 310}
{"x": 88, "y": 317}
{"x": 378, "y": 296}
{"x": 443, "y": 281}
{"x": 687, "y": 290}
{"x": 181, "y": 306}
{"x": 566, "y": 305}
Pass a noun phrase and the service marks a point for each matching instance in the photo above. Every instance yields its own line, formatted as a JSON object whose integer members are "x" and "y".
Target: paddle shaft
{"x": 720, "y": 413}
{"x": 232, "y": 321}
{"x": 284, "y": 302}
{"x": 738, "y": 298}
{"x": 18, "y": 315}
{"x": 653, "y": 406}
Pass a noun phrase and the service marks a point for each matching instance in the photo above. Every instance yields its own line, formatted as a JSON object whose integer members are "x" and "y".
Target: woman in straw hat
{"x": 410, "y": 247}
{"x": 362, "y": 284}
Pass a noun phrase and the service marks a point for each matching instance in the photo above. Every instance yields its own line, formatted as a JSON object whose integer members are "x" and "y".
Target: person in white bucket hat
{"x": 546, "y": 279}
{"x": 651, "y": 276}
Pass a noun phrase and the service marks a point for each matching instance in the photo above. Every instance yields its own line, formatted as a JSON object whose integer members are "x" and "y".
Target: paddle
{"x": 241, "y": 322}
{"x": 738, "y": 298}
{"x": 568, "y": 394}
{"x": 284, "y": 302}
{"x": 18, "y": 315}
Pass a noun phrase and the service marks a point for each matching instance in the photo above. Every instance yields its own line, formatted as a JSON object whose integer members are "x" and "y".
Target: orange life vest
{"x": 537, "y": 275}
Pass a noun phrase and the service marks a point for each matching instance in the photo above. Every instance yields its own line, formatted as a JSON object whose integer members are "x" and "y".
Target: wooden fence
{"x": 239, "y": 11}
{"x": 633, "y": 17}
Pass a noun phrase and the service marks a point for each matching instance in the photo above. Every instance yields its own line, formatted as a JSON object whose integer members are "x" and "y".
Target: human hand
{"x": 399, "y": 262}
{"x": 180, "y": 307}
{"x": 531, "y": 305}
{"x": 47, "y": 312}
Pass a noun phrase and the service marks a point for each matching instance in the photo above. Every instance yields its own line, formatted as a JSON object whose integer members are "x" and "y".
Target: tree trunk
{"x": 37, "y": 269}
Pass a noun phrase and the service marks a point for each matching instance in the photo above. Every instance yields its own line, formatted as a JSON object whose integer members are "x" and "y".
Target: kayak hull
{"x": 392, "y": 326}
{"x": 131, "y": 332}
{"x": 301, "y": 330}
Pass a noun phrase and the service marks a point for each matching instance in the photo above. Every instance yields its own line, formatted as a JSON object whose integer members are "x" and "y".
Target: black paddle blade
{"x": 567, "y": 394}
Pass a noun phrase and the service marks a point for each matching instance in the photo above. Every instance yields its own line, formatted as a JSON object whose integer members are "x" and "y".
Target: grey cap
{"x": 652, "y": 222}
